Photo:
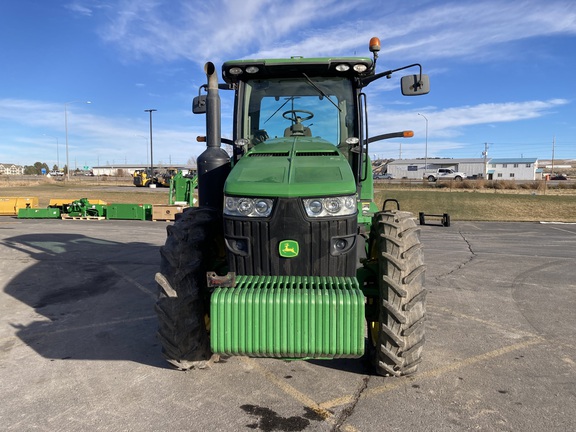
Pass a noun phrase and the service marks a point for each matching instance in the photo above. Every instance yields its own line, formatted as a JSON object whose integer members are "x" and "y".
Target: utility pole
{"x": 485, "y": 154}
{"x": 553, "y": 144}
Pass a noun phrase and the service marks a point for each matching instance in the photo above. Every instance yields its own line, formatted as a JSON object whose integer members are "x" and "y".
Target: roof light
{"x": 408, "y": 134}
{"x": 360, "y": 67}
{"x": 252, "y": 69}
{"x": 374, "y": 44}
{"x": 342, "y": 67}
{"x": 235, "y": 70}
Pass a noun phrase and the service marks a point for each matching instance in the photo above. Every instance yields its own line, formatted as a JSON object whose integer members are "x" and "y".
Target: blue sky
{"x": 501, "y": 73}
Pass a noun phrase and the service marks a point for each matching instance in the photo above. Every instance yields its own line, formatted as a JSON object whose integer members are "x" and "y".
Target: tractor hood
{"x": 291, "y": 167}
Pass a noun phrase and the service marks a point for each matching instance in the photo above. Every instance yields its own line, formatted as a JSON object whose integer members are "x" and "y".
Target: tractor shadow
{"x": 358, "y": 366}
{"x": 92, "y": 299}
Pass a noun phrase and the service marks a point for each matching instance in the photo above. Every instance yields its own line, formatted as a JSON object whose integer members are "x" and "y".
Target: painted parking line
{"x": 152, "y": 294}
{"x": 324, "y": 408}
{"x": 287, "y": 388}
{"x": 434, "y": 373}
{"x": 491, "y": 324}
{"x": 50, "y": 331}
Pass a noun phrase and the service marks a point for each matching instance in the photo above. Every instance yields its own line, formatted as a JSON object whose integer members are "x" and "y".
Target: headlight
{"x": 247, "y": 206}
{"x": 330, "y": 206}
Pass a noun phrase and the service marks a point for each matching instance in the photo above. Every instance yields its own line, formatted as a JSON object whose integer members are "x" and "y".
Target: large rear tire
{"x": 398, "y": 337}
{"x": 192, "y": 248}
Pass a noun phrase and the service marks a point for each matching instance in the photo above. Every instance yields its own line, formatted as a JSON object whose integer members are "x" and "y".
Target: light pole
{"x": 151, "y": 157}
{"x": 57, "y": 151}
{"x": 66, "y": 129}
{"x": 426, "y": 149}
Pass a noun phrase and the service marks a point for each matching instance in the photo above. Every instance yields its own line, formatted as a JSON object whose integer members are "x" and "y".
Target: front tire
{"x": 398, "y": 337}
{"x": 182, "y": 307}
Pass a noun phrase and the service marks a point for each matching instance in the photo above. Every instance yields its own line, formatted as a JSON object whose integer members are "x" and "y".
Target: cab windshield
{"x": 298, "y": 107}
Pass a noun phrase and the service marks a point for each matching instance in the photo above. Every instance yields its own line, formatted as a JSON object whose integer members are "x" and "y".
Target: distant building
{"x": 128, "y": 170}
{"x": 11, "y": 169}
{"x": 490, "y": 169}
{"x": 514, "y": 169}
{"x": 415, "y": 168}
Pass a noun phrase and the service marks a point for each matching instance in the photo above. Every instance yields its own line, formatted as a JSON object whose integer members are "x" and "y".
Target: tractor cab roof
{"x": 242, "y": 70}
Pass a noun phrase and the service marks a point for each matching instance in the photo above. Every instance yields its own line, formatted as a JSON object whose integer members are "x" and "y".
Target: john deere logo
{"x": 288, "y": 248}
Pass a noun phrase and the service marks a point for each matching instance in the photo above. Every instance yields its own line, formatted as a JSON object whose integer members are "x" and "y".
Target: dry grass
{"x": 486, "y": 206}
{"x": 469, "y": 203}
{"x": 111, "y": 190}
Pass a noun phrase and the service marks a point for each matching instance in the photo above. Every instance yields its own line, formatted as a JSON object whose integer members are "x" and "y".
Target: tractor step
{"x": 288, "y": 317}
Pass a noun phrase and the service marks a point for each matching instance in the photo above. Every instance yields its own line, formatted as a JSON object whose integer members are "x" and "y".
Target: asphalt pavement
{"x": 78, "y": 350}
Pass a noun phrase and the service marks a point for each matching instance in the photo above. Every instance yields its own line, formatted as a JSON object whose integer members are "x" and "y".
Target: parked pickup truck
{"x": 445, "y": 174}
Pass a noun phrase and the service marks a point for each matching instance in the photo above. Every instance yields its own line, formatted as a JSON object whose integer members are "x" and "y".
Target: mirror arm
{"x": 221, "y": 86}
{"x": 387, "y": 74}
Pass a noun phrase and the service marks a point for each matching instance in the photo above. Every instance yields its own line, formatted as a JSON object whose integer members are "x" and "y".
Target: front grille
{"x": 288, "y": 222}
{"x": 277, "y": 154}
{"x": 327, "y": 153}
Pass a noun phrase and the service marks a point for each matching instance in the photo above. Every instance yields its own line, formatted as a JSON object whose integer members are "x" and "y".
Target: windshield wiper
{"x": 281, "y": 106}
{"x": 319, "y": 90}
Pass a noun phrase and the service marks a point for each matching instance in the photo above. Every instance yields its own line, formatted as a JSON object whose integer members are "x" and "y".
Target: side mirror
{"x": 199, "y": 105}
{"x": 415, "y": 85}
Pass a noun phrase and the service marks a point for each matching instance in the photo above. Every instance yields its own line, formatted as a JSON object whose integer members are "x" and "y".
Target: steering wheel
{"x": 293, "y": 117}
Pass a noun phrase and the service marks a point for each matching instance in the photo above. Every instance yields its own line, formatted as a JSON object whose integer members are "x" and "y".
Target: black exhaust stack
{"x": 214, "y": 163}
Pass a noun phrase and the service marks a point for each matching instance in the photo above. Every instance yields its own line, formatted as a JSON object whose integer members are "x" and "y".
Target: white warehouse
{"x": 491, "y": 169}
{"x": 514, "y": 169}
{"x": 415, "y": 168}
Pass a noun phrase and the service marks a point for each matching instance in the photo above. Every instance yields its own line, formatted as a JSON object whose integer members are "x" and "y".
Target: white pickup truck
{"x": 445, "y": 174}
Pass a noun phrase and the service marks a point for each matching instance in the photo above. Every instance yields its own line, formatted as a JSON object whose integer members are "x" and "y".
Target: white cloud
{"x": 209, "y": 30}
{"x": 121, "y": 138}
{"x": 90, "y": 136}
{"x": 223, "y": 29}
{"x": 475, "y": 29}
{"x": 489, "y": 113}
{"x": 79, "y": 9}
{"x": 451, "y": 121}
{"x": 446, "y": 127}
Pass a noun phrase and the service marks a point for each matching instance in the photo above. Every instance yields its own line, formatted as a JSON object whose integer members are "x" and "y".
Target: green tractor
{"x": 287, "y": 255}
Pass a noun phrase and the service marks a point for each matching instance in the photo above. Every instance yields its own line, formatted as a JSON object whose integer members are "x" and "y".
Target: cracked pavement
{"x": 78, "y": 352}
